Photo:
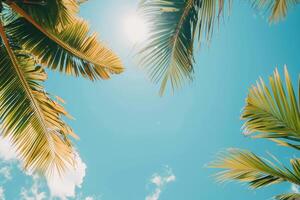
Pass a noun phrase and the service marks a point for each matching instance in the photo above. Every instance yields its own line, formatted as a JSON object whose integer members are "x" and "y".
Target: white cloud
{"x": 160, "y": 181}
{"x": 80, "y": 196}
{"x": 2, "y": 196}
{"x": 7, "y": 151}
{"x": 61, "y": 186}
{"x": 64, "y": 185}
{"x": 33, "y": 193}
{"x": 295, "y": 188}
{"x": 5, "y": 172}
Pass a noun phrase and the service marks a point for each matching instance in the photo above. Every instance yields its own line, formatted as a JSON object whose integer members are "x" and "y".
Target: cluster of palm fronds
{"x": 273, "y": 114}
{"x": 175, "y": 27}
{"x": 34, "y": 35}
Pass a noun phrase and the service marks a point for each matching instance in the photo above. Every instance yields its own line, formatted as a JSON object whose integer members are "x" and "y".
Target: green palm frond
{"x": 29, "y": 117}
{"x": 273, "y": 112}
{"x": 277, "y": 8}
{"x": 174, "y": 27}
{"x": 290, "y": 196}
{"x": 258, "y": 172}
{"x": 51, "y": 13}
{"x": 71, "y": 50}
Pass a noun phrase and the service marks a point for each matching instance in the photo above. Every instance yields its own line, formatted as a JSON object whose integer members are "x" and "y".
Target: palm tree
{"x": 175, "y": 27}
{"x": 34, "y": 35}
{"x": 274, "y": 114}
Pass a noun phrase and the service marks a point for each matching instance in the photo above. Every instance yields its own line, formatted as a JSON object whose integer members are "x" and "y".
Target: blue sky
{"x": 128, "y": 133}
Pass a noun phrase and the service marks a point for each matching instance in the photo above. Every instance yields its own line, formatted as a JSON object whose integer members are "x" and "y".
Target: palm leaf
{"x": 290, "y": 196}
{"x": 273, "y": 112}
{"x": 70, "y": 50}
{"x": 174, "y": 27}
{"x": 30, "y": 118}
{"x": 51, "y": 13}
{"x": 81, "y": 1}
{"x": 258, "y": 172}
{"x": 277, "y": 8}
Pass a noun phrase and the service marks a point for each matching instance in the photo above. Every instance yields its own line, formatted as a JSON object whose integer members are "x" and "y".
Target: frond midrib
{"x": 67, "y": 47}
{"x": 278, "y": 119}
{"x": 26, "y": 87}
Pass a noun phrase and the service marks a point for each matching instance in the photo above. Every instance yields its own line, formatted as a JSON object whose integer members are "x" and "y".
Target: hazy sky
{"x": 136, "y": 145}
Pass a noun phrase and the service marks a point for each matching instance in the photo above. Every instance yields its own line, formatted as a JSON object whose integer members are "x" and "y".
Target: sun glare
{"x": 135, "y": 28}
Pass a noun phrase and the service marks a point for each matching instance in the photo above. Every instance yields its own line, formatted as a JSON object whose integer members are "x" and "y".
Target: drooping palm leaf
{"x": 258, "y": 172}
{"x": 51, "y": 13}
{"x": 30, "y": 118}
{"x": 291, "y": 196}
{"x": 70, "y": 49}
{"x": 174, "y": 27}
{"x": 273, "y": 112}
{"x": 277, "y": 8}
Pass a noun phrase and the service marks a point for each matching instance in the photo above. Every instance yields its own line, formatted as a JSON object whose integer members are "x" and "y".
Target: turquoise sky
{"x": 128, "y": 133}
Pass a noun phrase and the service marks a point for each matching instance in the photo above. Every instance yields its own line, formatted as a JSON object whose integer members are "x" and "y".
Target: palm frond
{"x": 284, "y": 143}
{"x": 273, "y": 112}
{"x": 29, "y": 117}
{"x": 277, "y": 8}
{"x": 258, "y": 172}
{"x": 81, "y": 1}
{"x": 51, "y": 13}
{"x": 174, "y": 27}
{"x": 290, "y": 196}
{"x": 71, "y": 50}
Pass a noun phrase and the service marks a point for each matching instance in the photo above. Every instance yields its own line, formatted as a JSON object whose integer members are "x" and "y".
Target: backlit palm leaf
{"x": 174, "y": 27}
{"x": 51, "y": 13}
{"x": 273, "y": 112}
{"x": 53, "y": 36}
{"x": 30, "y": 118}
{"x": 70, "y": 49}
{"x": 277, "y": 8}
{"x": 288, "y": 197}
{"x": 258, "y": 172}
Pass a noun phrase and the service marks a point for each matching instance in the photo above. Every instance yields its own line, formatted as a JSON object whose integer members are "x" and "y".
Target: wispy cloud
{"x": 80, "y": 196}
{"x": 33, "y": 192}
{"x": 89, "y": 198}
{"x": 160, "y": 181}
{"x": 2, "y": 195}
{"x": 5, "y": 172}
{"x": 295, "y": 188}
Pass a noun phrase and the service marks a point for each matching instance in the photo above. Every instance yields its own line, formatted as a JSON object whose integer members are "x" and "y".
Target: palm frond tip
{"x": 244, "y": 166}
{"x": 274, "y": 111}
{"x": 174, "y": 28}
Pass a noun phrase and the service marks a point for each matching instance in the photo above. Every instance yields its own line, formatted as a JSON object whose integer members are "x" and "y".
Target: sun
{"x": 135, "y": 28}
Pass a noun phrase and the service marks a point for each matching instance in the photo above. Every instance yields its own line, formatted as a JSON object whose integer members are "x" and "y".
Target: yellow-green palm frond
{"x": 70, "y": 49}
{"x": 274, "y": 112}
{"x": 174, "y": 26}
{"x": 258, "y": 172}
{"x": 290, "y": 196}
{"x": 51, "y": 13}
{"x": 29, "y": 117}
{"x": 81, "y": 1}
{"x": 277, "y": 8}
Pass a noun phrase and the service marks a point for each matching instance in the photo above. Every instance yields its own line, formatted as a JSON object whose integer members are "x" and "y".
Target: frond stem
{"x": 27, "y": 89}
{"x": 65, "y": 46}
